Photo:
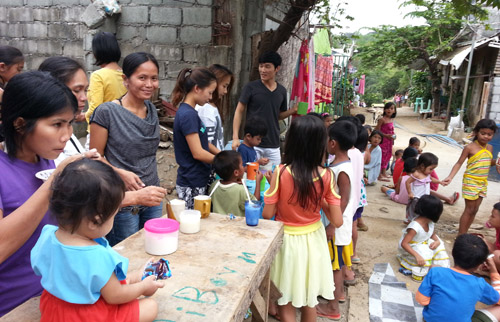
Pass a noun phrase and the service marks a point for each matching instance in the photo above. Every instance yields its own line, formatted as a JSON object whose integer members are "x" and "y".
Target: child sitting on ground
{"x": 418, "y": 184}
{"x": 398, "y": 166}
{"x": 230, "y": 196}
{"x": 255, "y": 130}
{"x": 397, "y": 155}
{"x": 399, "y": 194}
{"x": 82, "y": 276}
{"x": 494, "y": 222}
{"x": 415, "y": 143}
{"x": 373, "y": 167}
{"x": 419, "y": 245}
{"x": 451, "y": 294}
{"x": 342, "y": 136}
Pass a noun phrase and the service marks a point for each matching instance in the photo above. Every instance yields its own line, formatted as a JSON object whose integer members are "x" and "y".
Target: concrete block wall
{"x": 177, "y": 32}
{"x": 494, "y": 102}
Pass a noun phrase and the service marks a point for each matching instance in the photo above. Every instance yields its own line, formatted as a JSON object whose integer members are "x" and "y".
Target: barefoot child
{"x": 399, "y": 194}
{"x": 85, "y": 199}
{"x": 342, "y": 136}
{"x": 451, "y": 294}
{"x": 386, "y": 126}
{"x": 397, "y": 155}
{"x": 302, "y": 269}
{"x": 475, "y": 181}
{"x": 419, "y": 245}
{"x": 418, "y": 184}
{"x": 373, "y": 167}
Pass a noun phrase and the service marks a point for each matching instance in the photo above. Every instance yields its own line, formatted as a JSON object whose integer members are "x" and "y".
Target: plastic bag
{"x": 453, "y": 124}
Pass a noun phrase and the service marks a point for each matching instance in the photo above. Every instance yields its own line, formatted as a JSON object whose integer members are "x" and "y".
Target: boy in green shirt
{"x": 230, "y": 195}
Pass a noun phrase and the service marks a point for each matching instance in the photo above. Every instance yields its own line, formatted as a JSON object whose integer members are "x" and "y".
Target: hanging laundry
{"x": 361, "y": 89}
{"x": 311, "y": 90}
{"x": 300, "y": 87}
{"x": 323, "y": 79}
{"x": 322, "y": 44}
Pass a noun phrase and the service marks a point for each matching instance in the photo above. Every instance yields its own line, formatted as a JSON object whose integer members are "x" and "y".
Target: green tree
{"x": 401, "y": 47}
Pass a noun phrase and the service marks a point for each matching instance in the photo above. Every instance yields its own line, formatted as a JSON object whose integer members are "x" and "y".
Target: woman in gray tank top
{"x": 126, "y": 131}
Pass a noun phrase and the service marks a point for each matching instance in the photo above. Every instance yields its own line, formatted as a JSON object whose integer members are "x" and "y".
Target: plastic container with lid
{"x": 161, "y": 236}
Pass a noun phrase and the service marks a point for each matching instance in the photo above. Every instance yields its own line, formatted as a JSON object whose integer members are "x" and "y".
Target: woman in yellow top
{"x": 106, "y": 84}
{"x": 475, "y": 182}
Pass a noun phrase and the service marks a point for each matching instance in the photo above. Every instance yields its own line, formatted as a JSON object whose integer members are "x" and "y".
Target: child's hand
{"x": 490, "y": 263}
{"x": 330, "y": 232}
{"x": 268, "y": 176}
{"x": 263, "y": 161}
{"x": 434, "y": 244}
{"x": 420, "y": 260}
{"x": 411, "y": 196}
{"x": 258, "y": 177}
{"x": 150, "y": 285}
{"x": 446, "y": 181}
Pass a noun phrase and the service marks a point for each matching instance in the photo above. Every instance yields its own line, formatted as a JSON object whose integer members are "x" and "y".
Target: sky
{"x": 372, "y": 13}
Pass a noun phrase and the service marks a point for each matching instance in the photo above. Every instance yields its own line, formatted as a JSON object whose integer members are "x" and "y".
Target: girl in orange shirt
{"x": 302, "y": 269}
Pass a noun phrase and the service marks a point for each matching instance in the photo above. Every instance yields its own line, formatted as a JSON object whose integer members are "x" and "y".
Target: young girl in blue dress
{"x": 83, "y": 278}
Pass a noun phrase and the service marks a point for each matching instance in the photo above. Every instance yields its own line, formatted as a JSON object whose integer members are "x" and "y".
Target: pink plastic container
{"x": 161, "y": 236}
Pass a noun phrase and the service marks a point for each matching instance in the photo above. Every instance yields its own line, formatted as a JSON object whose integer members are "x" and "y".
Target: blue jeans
{"x": 130, "y": 220}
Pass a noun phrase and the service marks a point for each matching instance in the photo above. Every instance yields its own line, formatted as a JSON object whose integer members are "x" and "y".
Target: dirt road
{"x": 379, "y": 244}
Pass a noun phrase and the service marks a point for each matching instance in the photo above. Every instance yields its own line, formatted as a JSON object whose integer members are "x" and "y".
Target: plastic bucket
{"x": 418, "y": 273}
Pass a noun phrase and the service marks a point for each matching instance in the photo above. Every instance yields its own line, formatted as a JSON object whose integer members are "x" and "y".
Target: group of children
{"x": 443, "y": 288}
{"x": 317, "y": 192}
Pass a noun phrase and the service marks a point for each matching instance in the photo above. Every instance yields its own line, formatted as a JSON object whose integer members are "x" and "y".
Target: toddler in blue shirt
{"x": 83, "y": 278}
{"x": 255, "y": 130}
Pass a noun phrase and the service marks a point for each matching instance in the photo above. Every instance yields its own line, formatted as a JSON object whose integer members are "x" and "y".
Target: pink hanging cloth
{"x": 323, "y": 79}
{"x": 361, "y": 89}
{"x": 300, "y": 87}
{"x": 310, "y": 101}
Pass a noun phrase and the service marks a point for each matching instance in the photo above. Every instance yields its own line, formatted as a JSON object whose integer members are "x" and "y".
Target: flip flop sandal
{"x": 384, "y": 209}
{"x": 350, "y": 282}
{"x": 342, "y": 300}
{"x": 335, "y": 317}
{"x": 456, "y": 195}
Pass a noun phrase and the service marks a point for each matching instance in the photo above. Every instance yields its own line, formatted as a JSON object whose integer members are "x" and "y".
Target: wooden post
{"x": 449, "y": 102}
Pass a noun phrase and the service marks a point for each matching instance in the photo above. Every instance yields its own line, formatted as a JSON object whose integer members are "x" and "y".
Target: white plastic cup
{"x": 190, "y": 221}
{"x": 178, "y": 206}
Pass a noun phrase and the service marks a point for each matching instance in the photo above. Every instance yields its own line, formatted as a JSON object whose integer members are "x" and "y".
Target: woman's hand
{"x": 91, "y": 154}
{"x": 80, "y": 117}
{"x": 131, "y": 180}
{"x": 150, "y": 196}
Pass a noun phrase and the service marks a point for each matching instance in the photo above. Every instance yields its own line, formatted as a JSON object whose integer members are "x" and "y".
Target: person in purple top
{"x": 37, "y": 116}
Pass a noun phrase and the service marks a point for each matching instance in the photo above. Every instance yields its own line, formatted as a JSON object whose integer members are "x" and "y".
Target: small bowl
{"x": 45, "y": 174}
